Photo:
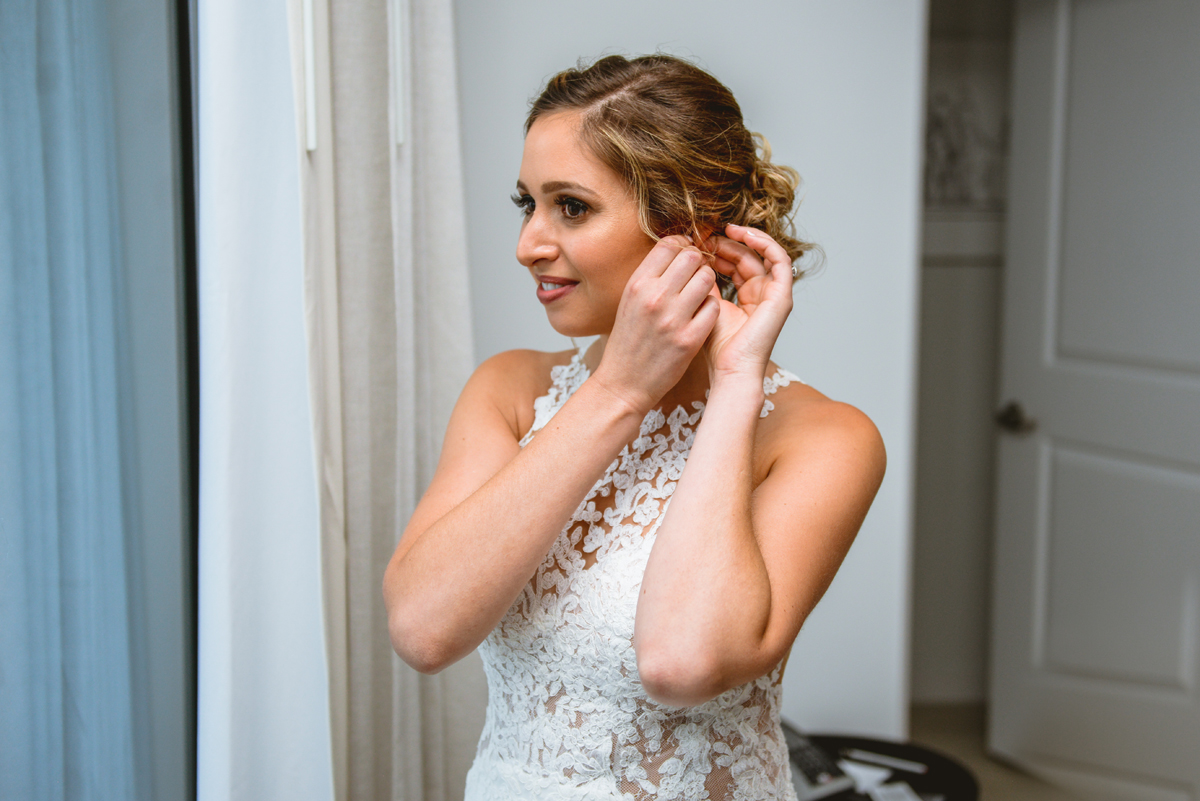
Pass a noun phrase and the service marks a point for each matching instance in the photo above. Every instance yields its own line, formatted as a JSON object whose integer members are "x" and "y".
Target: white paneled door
{"x": 1097, "y": 574}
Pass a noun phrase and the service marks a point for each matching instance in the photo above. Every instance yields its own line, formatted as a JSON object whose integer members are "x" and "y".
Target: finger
{"x": 771, "y": 301}
{"x": 705, "y": 318}
{"x": 702, "y": 283}
{"x": 662, "y": 254}
{"x": 740, "y": 261}
{"x": 780, "y": 265}
{"x": 772, "y": 286}
{"x": 770, "y": 250}
{"x": 683, "y": 268}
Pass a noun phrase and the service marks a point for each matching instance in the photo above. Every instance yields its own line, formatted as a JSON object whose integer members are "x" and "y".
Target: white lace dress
{"x": 567, "y": 717}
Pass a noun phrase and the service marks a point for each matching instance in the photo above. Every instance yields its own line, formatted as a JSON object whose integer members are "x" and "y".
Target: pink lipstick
{"x": 550, "y": 289}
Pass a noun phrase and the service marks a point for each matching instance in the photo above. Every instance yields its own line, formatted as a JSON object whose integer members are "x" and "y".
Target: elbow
{"x": 413, "y": 638}
{"x": 678, "y": 679}
{"x": 420, "y": 650}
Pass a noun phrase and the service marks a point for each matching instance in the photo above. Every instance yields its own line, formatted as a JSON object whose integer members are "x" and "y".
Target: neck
{"x": 691, "y": 387}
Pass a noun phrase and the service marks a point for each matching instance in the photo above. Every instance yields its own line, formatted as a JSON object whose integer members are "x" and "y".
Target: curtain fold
{"x": 264, "y": 724}
{"x": 434, "y": 361}
{"x": 67, "y": 708}
{"x": 310, "y": 70}
{"x": 393, "y": 297}
{"x": 358, "y": 68}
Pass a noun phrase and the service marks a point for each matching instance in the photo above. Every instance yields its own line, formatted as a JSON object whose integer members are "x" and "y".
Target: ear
{"x": 704, "y": 238}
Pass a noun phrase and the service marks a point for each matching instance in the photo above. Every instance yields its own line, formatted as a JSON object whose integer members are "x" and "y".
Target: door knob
{"x": 1012, "y": 418}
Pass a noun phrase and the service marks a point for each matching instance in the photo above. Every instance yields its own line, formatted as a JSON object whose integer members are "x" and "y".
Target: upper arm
{"x": 828, "y": 463}
{"x": 482, "y": 437}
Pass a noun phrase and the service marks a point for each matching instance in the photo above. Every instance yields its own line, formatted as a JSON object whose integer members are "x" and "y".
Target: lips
{"x": 550, "y": 288}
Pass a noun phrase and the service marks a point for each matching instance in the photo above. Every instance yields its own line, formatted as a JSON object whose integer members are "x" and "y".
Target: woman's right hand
{"x": 666, "y": 313}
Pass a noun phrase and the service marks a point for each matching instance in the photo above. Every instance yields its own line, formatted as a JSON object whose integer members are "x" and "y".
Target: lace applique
{"x": 567, "y": 716}
{"x": 771, "y": 385}
{"x": 564, "y": 380}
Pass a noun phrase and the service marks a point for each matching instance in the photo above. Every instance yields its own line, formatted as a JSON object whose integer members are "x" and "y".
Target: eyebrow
{"x": 556, "y": 186}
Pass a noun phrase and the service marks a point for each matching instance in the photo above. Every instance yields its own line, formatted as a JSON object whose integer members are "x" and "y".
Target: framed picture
{"x": 966, "y": 147}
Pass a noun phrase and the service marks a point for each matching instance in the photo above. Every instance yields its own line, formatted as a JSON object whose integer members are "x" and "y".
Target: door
{"x": 1096, "y": 611}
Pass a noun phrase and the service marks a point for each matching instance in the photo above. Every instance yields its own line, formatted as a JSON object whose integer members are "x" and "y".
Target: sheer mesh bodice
{"x": 567, "y": 717}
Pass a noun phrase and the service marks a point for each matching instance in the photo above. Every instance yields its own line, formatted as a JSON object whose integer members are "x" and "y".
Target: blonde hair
{"x": 675, "y": 134}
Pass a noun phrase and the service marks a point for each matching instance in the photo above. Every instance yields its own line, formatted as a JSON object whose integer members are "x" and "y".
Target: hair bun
{"x": 771, "y": 200}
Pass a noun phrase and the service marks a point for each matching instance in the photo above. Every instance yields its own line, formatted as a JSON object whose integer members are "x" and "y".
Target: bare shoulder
{"x": 808, "y": 428}
{"x": 493, "y": 412}
{"x": 511, "y": 381}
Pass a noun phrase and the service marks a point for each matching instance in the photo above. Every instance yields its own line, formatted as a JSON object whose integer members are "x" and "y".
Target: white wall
{"x": 836, "y": 87}
{"x": 968, "y": 98}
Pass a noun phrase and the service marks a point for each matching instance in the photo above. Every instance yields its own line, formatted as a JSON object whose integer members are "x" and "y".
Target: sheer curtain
{"x": 67, "y": 709}
{"x": 389, "y": 333}
{"x": 263, "y": 718}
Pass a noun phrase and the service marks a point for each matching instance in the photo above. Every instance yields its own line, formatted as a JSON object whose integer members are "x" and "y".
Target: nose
{"x": 536, "y": 242}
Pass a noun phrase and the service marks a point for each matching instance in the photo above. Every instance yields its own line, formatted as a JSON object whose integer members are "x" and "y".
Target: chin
{"x": 574, "y": 332}
{"x": 577, "y": 328}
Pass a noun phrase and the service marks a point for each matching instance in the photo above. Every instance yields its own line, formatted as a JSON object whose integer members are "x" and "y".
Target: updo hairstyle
{"x": 675, "y": 135}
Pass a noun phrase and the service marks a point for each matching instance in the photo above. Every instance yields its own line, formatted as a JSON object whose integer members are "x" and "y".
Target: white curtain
{"x": 263, "y": 718}
{"x": 67, "y": 708}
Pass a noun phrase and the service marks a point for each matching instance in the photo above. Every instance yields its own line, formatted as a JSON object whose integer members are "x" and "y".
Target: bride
{"x": 632, "y": 535}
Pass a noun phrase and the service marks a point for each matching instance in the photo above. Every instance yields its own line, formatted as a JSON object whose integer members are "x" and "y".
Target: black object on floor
{"x": 942, "y": 775}
{"x": 815, "y": 773}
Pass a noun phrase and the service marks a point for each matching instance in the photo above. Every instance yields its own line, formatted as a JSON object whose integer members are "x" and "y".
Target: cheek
{"x": 632, "y": 259}
{"x": 630, "y": 250}
{"x": 611, "y": 256}
{"x": 621, "y": 265}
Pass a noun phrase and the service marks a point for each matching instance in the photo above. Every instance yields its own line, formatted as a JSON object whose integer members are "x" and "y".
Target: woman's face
{"x": 580, "y": 237}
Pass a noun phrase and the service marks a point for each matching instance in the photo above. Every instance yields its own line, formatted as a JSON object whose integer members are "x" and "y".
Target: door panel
{"x": 1130, "y": 172}
{"x": 1096, "y": 611}
{"x": 1116, "y": 609}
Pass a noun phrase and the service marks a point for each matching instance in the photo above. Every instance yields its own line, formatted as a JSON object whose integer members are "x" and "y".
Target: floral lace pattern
{"x": 567, "y": 716}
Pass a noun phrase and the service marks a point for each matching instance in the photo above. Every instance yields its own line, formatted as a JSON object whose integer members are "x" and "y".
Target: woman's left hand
{"x": 745, "y": 333}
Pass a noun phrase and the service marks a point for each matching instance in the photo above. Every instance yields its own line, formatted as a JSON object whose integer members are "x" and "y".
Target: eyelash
{"x": 566, "y": 203}
{"x": 524, "y": 204}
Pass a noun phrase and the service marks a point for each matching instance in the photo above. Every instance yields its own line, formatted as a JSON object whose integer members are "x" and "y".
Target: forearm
{"x": 456, "y": 578}
{"x": 705, "y": 605}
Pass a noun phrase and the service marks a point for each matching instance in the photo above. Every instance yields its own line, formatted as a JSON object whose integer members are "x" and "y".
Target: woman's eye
{"x": 524, "y": 203}
{"x": 572, "y": 209}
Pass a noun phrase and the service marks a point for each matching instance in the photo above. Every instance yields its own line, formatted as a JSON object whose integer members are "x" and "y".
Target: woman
{"x": 633, "y": 535}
